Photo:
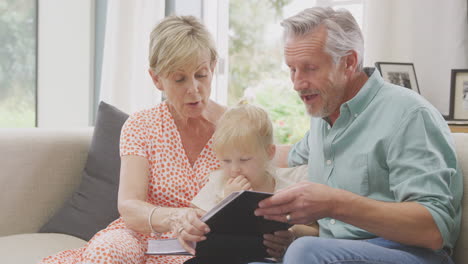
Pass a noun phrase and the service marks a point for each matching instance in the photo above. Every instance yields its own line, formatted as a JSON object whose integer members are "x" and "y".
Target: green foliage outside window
{"x": 17, "y": 63}
{"x": 256, "y": 67}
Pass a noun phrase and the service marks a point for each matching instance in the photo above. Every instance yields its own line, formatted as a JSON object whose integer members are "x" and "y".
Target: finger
{"x": 189, "y": 247}
{"x": 193, "y": 225}
{"x": 199, "y": 212}
{"x": 190, "y": 237}
{"x": 283, "y": 197}
{"x": 203, "y": 226}
{"x": 274, "y": 246}
{"x": 241, "y": 180}
{"x": 278, "y": 212}
{"x": 282, "y": 218}
{"x": 246, "y": 186}
{"x": 278, "y": 254}
{"x": 285, "y": 234}
{"x": 281, "y": 241}
{"x": 277, "y": 245}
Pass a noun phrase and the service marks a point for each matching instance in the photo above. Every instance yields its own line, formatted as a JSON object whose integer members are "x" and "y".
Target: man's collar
{"x": 359, "y": 102}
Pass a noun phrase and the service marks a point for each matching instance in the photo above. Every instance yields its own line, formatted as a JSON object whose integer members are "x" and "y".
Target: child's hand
{"x": 236, "y": 184}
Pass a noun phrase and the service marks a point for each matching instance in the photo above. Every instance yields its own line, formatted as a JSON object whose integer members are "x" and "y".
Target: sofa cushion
{"x": 461, "y": 248}
{"x": 94, "y": 204}
{"x": 293, "y": 174}
{"x": 31, "y": 248}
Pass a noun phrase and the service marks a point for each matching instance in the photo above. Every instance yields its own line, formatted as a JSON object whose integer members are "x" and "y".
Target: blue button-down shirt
{"x": 388, "y": 144}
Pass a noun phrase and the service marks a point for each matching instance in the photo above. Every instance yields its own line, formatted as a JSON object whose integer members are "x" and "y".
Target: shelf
{"x": 459, "y": 128}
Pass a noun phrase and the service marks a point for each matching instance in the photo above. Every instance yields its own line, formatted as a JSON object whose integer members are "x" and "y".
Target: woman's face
{"x": 188, "y": 89}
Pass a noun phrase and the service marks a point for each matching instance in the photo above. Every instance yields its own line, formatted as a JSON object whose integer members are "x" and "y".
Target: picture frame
{"x": 459, "y": 95}
{"x": 399, "y": 73}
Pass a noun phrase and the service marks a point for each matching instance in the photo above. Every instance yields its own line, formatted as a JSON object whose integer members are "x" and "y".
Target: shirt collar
{"x": 358, "y": 103}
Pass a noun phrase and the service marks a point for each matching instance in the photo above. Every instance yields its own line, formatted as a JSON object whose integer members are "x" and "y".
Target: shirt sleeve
{"x": 423, "y": 168}
{"x": 299, "y": 153}
{"x": 134, "y": 137}
{"x": 211, "y": 193}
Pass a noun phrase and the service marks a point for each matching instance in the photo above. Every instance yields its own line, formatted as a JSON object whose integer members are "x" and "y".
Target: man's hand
{"x": 235, "y": 184}
{"x": 278, "y": 242}
{"x": 409, "y": 223}
{"x": 302, "y": 203}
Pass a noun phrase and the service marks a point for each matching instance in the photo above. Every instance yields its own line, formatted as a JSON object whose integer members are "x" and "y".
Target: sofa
{"x": 41, "y": 168}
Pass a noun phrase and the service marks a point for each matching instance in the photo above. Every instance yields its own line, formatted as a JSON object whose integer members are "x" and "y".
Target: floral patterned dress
{"x": 174, "y": 182}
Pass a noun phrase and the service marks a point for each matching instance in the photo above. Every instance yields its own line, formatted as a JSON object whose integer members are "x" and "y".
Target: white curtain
{"x": 125, "y": 81}
{"x": 432, "y": 34}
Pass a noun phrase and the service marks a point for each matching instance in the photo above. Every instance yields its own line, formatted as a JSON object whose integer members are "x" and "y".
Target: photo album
{"x": 235, "y": 230}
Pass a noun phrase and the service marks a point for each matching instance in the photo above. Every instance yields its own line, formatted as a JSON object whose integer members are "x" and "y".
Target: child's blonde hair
{"x": 244, "y": 127}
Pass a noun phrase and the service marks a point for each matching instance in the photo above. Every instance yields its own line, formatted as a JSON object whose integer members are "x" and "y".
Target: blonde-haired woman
{"x": 166, "y": 151}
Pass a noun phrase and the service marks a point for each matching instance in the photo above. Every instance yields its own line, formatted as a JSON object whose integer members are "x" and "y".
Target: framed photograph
{"x": 399, "y": 73}
{"x": 459, "y": 95}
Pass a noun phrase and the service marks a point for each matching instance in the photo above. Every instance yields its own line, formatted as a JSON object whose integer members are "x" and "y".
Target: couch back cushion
{"x": 40, "y": 168}
{"x": 93, "y": 205}
{"x": 461, "y": 248}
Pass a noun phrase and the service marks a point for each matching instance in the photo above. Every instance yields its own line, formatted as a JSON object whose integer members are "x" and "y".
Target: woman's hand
{"x": 278, "y": 242}
{"x": 235, "y": 184}
{"x": 190, "y": 229}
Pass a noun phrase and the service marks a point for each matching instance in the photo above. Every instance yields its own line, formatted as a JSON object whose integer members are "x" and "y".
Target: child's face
{"x": 250, "y": 165}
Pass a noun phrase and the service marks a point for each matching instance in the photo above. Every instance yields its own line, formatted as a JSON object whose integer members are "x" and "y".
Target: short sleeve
{"x": 211, "y": 193}
{"x": 299, "y": 153}
{"x": 134, "y": 137}
{"x": 423, "y": 169}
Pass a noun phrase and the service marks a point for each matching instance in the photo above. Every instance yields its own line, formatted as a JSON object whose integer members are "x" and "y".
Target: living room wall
{"x": 432, "y": 34}
{"x": 65, "y": 63}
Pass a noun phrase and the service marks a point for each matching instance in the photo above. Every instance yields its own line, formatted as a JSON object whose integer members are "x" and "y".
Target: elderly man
{"x": 384, "y": 185}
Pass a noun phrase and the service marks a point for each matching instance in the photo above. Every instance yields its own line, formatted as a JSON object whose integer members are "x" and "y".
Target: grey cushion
{"x": 94, "y": 204}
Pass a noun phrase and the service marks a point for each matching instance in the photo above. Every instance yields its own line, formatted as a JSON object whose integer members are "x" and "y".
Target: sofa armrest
{"x": 461, "y": 248}
{"x": 39, "y": 169}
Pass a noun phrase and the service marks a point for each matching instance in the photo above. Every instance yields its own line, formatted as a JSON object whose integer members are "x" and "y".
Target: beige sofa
{"x": 40, "y": 168}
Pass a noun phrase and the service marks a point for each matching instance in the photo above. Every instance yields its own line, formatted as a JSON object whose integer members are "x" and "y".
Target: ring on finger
{"x": 180, "y": 230}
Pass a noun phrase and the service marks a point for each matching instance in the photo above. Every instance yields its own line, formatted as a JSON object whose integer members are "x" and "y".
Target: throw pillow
{"x": 93, "y": 205}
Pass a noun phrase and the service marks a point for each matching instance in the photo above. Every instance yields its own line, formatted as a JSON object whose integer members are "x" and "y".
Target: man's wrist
{"x": 341, "y": 202}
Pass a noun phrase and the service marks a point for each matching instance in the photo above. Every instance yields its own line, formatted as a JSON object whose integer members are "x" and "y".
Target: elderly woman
{"x": 166, "y": 154}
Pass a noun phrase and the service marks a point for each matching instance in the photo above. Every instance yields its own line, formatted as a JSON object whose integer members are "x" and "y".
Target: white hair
{"x": 343, "y": 32}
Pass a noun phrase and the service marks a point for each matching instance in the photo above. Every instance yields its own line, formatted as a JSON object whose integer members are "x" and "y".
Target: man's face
{"x": 317, "y": 79}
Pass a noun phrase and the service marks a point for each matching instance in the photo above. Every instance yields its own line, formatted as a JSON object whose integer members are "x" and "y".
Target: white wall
{"x": 216, "y": 19}
{"x": 65, "y": 62}
{"x": 432, "y": 34}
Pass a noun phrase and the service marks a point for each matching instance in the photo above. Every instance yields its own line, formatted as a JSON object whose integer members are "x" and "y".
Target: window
{"x": 18, "y": 31}
{"x": 257, "y": 71}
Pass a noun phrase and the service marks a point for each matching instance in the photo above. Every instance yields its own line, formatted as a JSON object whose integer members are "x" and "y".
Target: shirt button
{"x": 332, "y": 221}
{"x": 328, "y": 126}
{"x": 355, "y": 115}
{"x": 329, "y": 162}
